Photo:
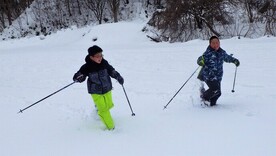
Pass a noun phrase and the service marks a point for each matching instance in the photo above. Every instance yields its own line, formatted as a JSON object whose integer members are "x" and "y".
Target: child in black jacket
{"x": 99, "y": 84}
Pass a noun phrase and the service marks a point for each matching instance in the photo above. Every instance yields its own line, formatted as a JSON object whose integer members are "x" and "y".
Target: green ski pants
{"x": 104, "y": 103}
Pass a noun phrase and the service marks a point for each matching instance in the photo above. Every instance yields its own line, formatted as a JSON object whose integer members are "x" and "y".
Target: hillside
{"x": 243, "y": 123}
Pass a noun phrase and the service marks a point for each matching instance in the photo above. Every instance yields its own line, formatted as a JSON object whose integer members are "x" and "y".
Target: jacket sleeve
{"x": 206, "y": 57}
{"x": 228, "y": 58}
{"x": 113, "y": 73}
{"x": 83, "y": 70}
{"x": 81, "y": 74}
{"x": 109, "y": 68}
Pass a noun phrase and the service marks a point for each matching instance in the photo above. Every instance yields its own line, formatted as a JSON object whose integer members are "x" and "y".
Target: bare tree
{"x": 268, "y": 10}
{"x": 187, "y": 17}
{"x": 97, "y": 7}
{"x": 28, "y": 2}
{"x": 158, "y": 3}
{"x": 8, "y": 10}
{"x": 114, "y": 6}
{"x": 11, "y": 9}
{"x": 126, "y": 1}
{"x": 2, "y": 16}
{"x": 79, "y": 7}
{"x": 68, "y": 6}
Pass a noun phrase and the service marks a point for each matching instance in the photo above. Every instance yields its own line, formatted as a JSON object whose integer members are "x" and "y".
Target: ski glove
{"x": 200, "y": 61}
{"x": 236, "y": 62}
{"x": 79, "y": 77}
{"x": 118, "y": 77}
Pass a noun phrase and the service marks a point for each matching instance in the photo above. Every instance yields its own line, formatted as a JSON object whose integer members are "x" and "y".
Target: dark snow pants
{"x": 213, "y": 93}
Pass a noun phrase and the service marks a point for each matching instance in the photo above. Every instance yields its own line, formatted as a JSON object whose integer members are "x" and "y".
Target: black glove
{"x": 236, "y": 62}
{"x": 118, "y": 77}
{"x": 79, "y": 77}
{"x": 200, "y": 61}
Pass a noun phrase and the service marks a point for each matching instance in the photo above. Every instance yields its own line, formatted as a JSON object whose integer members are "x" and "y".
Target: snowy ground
{"x": 243, "y": 123}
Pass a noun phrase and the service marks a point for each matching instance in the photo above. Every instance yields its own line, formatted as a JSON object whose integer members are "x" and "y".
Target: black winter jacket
{"x": 98, "y": 81}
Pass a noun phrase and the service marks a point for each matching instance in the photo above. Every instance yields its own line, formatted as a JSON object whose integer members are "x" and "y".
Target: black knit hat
{"x": 94, "y": 50}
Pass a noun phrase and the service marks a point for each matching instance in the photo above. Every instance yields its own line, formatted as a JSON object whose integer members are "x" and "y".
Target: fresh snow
{"x": 65, "y": 124}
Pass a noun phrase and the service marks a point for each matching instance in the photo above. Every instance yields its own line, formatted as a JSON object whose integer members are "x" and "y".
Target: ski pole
{"x": 234, "y": 80}
{"x": 21, "y": 110}
{"x": 180, "y": 88}
{"x": 133, "y": 114}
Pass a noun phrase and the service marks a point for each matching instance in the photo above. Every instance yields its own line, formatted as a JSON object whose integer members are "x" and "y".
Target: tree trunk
{"x": 2, "y": 19}
{"x": 67, "y": 4}
{"x": 8, "y": 11}
{"x": 114, "y": 6}
{"x": 79, "y": 8}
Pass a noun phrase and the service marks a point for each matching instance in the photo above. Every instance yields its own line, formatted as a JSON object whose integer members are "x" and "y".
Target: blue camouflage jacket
{"x": 213, "y": 64}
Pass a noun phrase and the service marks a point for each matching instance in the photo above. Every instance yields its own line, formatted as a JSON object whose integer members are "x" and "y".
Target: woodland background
{"x": 172, "y": 21}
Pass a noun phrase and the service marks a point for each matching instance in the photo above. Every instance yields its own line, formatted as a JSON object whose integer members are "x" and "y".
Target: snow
{"x": 242, "y": 124}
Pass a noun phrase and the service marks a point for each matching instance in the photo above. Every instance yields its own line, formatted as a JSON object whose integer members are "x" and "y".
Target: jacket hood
{"x": 87, "y": 59}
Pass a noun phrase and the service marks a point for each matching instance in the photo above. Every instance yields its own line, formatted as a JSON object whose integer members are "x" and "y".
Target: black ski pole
{"x": 180, "y": 88}
{"x": 133, "y": 114}
{"x": 21, "y": 110}
{"x": 234, "y": 80}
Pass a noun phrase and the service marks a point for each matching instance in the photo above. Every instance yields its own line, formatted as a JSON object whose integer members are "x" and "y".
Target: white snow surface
{"x": 65, "y": 124}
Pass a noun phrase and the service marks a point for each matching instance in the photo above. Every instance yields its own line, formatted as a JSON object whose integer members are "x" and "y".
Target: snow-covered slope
{"x": 242, "y": 124}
